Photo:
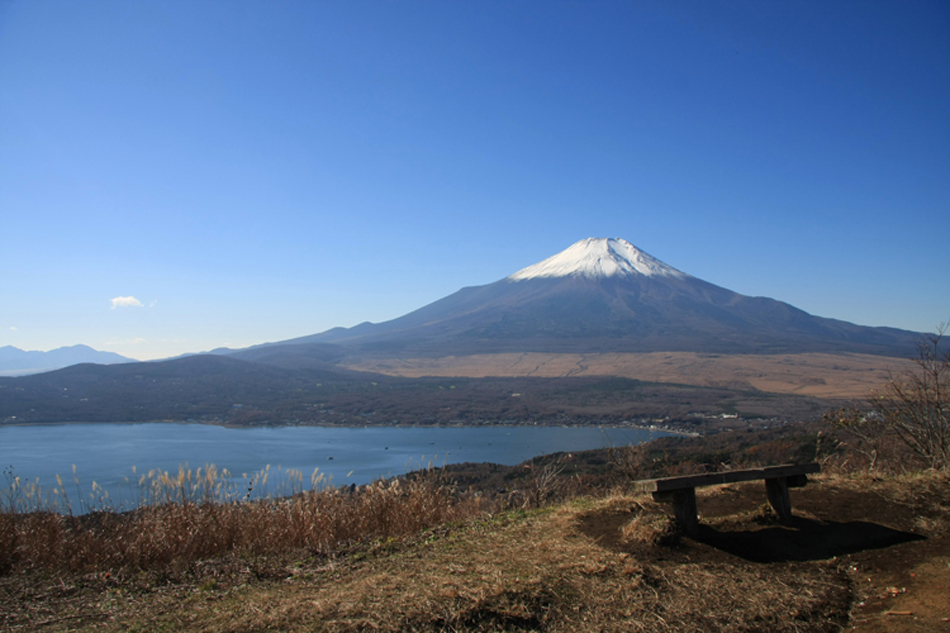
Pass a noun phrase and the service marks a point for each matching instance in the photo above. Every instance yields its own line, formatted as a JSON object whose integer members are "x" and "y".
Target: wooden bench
{"x": 681, "y": 491}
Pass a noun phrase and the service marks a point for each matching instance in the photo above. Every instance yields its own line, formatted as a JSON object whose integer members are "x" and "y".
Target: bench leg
{"x": 684, "y": 508}
{"x": 777, "y": 492}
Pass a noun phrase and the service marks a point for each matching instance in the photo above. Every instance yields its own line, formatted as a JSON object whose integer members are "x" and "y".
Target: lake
{"x": 107, "y": 453}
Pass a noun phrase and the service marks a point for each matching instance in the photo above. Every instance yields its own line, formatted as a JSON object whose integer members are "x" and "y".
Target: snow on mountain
{"x": 598, "y": 295}
{"x": 599, "y": 257}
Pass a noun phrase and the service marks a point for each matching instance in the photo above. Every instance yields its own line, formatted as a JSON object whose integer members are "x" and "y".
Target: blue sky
{"x": 255, "y": 171}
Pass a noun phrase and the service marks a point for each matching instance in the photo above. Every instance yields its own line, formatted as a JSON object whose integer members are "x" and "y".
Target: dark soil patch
{"x": 804, "y": 540}
{"x": 889, "y": 538}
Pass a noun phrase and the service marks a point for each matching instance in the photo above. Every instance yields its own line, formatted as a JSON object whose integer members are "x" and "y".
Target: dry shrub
{"x": 647, "y": 461}
{"x": 178, "y": 534}
{"x": 911, "y": 409}
{"x": 543, "y": 482}
{"x": 633, "y": 461}
{"x": 867, "y": 446}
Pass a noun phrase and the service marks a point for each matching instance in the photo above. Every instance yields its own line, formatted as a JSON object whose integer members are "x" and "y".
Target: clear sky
{"x": 178, "y": 176}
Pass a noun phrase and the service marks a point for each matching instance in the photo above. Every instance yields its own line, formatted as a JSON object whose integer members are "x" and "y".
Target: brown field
{"x": 817, "y": 375}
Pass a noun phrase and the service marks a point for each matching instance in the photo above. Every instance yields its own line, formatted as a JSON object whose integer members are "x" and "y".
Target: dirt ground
{"x": 891, "y": 539}
{"x": 862, "y": 554}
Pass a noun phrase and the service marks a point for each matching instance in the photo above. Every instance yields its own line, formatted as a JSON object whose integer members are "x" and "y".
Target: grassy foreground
{"x": 865, "y": 552}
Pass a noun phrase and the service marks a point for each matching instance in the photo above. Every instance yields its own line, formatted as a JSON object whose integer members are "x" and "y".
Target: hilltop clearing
{"x": 868, "y": 553}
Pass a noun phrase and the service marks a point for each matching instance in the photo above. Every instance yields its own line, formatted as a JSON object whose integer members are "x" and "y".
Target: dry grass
{"x": 650, "y": 527}
{"x": 581, "y": 566}
{"x": 921, "y": 494}
{"x": 521, "y": 571}
{"x": 813, "y": 374}
{"x": 196, "y": 516}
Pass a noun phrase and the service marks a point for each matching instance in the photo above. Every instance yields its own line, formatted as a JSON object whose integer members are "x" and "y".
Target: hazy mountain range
{"x": 17, "y": 361}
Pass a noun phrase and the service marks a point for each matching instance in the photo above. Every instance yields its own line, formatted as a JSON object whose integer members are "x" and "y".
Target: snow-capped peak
{"x": 598, "y": 257}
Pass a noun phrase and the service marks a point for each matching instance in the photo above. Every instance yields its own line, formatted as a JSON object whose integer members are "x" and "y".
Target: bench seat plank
{"x": 668, "y": 484}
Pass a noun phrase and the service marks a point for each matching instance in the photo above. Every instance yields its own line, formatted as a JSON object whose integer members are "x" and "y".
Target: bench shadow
{"x": 804, "y": 540}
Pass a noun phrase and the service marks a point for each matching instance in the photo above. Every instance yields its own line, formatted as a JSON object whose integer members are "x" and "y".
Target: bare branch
{"x": 913, "y": 405}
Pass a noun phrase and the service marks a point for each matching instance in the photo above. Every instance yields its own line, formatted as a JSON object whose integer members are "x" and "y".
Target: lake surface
{"x": 107, "y": 453}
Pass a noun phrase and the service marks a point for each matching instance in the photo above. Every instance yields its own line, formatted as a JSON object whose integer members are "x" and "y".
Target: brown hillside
{"x": 811, "y": 374}
{"x": 862, "y": 554}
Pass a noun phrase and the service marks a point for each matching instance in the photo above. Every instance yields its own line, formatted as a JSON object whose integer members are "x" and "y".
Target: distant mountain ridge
{"x": 15, "y": 360}
{"x": 606, "y": 295}
{"x": 217, "y": 389}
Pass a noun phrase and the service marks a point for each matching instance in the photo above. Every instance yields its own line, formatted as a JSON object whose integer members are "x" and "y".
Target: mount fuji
{"x": 629, "y": 335}
{"x": 599, "y": 295}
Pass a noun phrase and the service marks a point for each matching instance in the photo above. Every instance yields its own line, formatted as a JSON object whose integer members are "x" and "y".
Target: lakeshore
{"x": 115, "y": 456}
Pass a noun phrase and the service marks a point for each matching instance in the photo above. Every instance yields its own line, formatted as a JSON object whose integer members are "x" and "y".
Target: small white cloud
{"x": 126, "y": 302}
{"x": 153, "y": 303}
{"x": 13, "y": 328}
